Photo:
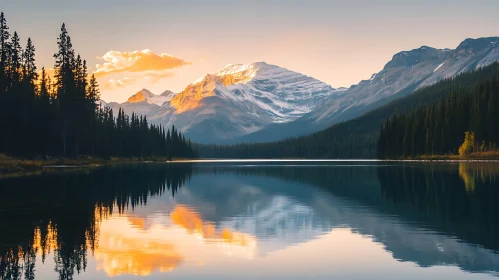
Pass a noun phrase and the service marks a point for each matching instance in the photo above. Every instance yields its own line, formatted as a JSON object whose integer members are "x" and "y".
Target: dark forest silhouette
{"x": 40, "y": 117}
{"x": 440, "y": 127}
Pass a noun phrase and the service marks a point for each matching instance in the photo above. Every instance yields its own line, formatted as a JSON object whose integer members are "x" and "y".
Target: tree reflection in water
{"x": 62, "y": 212}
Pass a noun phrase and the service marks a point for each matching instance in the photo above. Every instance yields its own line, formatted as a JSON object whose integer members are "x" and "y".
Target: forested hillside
{"x": 358, "y": 138}
{"x": 62, "y": 117}
{"x": 440, "y": 128}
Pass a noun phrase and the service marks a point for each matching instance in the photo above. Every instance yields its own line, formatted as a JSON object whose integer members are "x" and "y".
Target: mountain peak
{"x": 140, "y": 96}
{"x": 472, "y": 45}
{"x": 415, "y": 56}
{"x": 145, "y": 95}
{"x": 236, "y": 73}
{"x": 264, "y": 90}
{"x": 168, "y": 93}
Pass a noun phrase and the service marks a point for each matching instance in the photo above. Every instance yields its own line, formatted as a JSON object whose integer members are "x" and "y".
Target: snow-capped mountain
{"x": 406, "y": 72}
{"x": 262, "y": 102}
{"x": 167, "y": 95}
{"x": 148, "y": 97}
{"x": 241, "y": 99}
{"x": 142, "y": 102}
{"x": 409, "y": 70}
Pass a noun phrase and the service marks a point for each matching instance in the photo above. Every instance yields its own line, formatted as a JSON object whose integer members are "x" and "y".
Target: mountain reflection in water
{"x": 145, "y": 220}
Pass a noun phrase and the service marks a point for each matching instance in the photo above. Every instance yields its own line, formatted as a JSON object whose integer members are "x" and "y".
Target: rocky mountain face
{"x": 141, "y": 103}
{"x": 262, "y": 102}
{"x": 241, "y": 99}
{"x": 406, "y": 72}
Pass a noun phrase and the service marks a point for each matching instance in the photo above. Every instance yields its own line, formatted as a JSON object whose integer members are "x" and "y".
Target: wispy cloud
{"x": 154, "y": 76}
{"x": 136, "y": 61}
{"x": 117, "y": 83}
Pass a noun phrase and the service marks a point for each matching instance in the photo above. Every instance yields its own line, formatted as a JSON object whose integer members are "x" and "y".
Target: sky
{"x": 166, "y": 45}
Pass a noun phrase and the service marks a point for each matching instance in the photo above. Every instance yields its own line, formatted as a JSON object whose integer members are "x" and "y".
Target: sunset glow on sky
{"x": 162, "y": 45}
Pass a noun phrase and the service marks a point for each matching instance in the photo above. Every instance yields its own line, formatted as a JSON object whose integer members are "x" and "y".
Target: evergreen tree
{"x": 64, "y": 118}
{"x": 4, "y": 52}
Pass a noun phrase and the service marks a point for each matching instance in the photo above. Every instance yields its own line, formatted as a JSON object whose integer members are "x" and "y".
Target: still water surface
{"x": 253, "y": 220}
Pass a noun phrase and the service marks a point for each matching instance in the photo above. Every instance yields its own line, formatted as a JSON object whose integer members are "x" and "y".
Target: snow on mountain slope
{"x": 406, "y": 69}
{"x": 241, "y": 99}
{"x": 262, "y": 102}
{"x": 406, "y": 72}
{"x": 142, "y": 102}
{"x": 167, "y": 95}
{"x": 282, "y": 94}
{"x": 146, "y": 96}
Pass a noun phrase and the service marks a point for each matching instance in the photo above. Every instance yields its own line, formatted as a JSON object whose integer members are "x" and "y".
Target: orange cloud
{"x": 137, "y": 61}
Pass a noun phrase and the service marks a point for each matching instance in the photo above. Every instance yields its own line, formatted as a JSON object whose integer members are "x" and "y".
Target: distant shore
{"x": 486, "y": 156}
{"x": 10, "y": 166}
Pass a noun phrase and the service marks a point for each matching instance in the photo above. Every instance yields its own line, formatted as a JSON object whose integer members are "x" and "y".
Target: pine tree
{"x": 29, "y": 68}
{"x": 64, "y": 118}
{"x": 4, "y": 52}
{"x": 66, "y": 88}
{"x": 16, "y": 53}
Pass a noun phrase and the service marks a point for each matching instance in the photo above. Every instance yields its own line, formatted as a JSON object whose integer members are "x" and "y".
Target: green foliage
{"x": 437, "y": 128}
{"x": 468, "y": 144}
{"x": 39, "y": 117}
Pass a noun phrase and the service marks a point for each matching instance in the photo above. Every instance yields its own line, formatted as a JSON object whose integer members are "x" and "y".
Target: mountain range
{"x": 261, "y": 102}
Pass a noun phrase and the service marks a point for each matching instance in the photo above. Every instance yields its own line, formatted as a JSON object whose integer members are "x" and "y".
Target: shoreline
{"x": 10, "y": 166}
{"x": 234, "y": 160}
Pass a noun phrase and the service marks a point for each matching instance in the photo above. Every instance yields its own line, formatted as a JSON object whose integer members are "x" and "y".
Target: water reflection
{"x": 179, "y": 218}
{"x": 124, "y": 249}
{"x": 62, "y": 213}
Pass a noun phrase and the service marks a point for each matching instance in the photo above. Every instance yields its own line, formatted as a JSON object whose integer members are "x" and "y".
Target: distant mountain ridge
{"x": 142, "y": 102}
{"x": 260, "y": 102}
{"x": 358, "y": 138}
{"x": 406, "y": 72}
{"x": 146, "y": 96}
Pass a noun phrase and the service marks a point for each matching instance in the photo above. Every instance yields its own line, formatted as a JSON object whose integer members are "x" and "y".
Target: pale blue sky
{"x": 338, "y": 42}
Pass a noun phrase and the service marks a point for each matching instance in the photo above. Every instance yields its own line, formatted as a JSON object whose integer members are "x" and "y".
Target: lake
{"x": 253, "y": 220}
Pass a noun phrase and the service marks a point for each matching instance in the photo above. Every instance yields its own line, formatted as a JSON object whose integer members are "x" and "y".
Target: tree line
{"x": 41, "y": 116}
{"x": 359, "y": 138}
{"x": 439, "y": 128}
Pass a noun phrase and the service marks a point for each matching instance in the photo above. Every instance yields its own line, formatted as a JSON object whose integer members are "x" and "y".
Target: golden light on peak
{"x": 138, "y": 97}
{"x": 191, "y": 98}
